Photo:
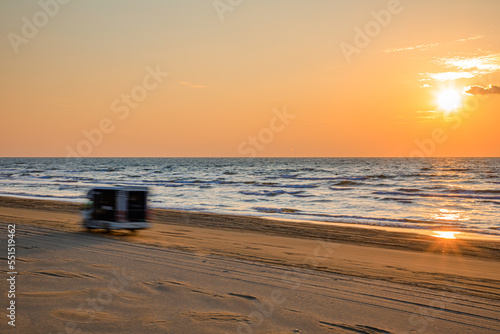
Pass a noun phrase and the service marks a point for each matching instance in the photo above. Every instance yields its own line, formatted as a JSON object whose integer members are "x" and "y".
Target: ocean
{"x": 462, "y": 194}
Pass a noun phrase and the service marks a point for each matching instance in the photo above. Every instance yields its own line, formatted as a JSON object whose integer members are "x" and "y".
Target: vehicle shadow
{"x": 32, "y": 240}
{"x": 105, "y": 232}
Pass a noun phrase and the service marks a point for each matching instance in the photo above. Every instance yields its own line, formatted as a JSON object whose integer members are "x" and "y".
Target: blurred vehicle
{"x": 116, "y": 208}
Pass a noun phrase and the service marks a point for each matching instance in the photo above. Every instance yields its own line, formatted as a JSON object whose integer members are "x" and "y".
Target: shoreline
{"x": 468, "y": 235}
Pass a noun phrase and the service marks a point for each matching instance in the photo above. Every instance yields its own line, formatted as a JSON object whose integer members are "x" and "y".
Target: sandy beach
{"x": 210, "y": 273}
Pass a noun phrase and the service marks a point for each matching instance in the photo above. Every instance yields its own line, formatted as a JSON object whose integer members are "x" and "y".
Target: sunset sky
{"x": 264, "y": 78}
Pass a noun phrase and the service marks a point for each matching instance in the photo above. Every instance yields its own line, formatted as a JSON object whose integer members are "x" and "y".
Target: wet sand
{"x": 211, "y": 273}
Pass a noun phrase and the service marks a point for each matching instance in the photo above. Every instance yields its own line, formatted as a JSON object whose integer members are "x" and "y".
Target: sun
{"x": 449, "y": 100}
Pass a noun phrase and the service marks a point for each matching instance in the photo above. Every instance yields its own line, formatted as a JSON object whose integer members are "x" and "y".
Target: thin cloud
{"x": 469, "y": 38}
{"x": 465, "y": 67}
{"x": 427, "y": 115}
{"x": 478, "y": 90}
{"x": 446, "y": 76}
{"x": 421, "y": 47}
{"x": 428, "y": 46}
{"x": 488, "y": 63}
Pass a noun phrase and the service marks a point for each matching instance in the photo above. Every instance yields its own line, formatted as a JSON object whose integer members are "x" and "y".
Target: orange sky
{"x": 256, "y": 78}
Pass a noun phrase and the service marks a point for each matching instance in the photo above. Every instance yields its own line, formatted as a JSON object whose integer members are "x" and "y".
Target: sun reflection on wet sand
{"x": 445, "y": 234}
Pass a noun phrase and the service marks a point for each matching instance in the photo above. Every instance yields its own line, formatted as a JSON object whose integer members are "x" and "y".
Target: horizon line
{"x": 238, "y": 157}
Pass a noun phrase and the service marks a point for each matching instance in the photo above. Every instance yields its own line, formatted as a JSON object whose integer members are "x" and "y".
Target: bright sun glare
{"x": 445, "y": 234}
{"x": 449, "y": 100}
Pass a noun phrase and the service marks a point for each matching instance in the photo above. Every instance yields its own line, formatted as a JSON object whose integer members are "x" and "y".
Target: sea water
{"x": 462, "y": 194}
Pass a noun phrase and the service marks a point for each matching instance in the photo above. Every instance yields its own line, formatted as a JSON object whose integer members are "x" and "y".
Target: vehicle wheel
{"x": 89, "y": 229}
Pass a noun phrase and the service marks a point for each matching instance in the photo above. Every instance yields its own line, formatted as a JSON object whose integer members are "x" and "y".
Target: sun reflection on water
{"x": 450, "y": 215}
